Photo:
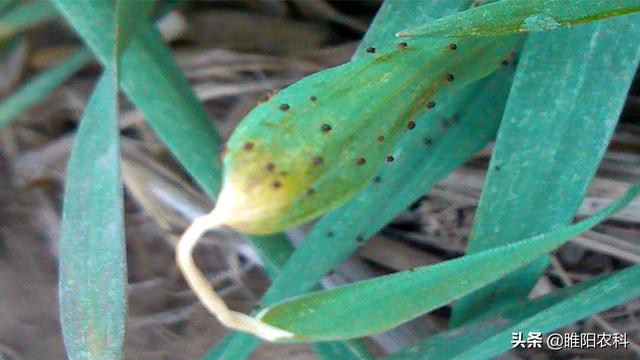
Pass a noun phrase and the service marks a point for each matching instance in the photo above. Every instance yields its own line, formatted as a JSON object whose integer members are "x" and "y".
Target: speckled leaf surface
{"x": 319, "y": 254}
{"x": 318, "y": 142}
{"x": 465, "y": 124}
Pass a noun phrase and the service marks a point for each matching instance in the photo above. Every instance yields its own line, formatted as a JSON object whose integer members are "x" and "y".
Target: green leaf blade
{"x": 93, "y": 273}
{"x": 605, "y": 293}
{"x": 375, "y": 305}
{"x": 92, "y": 251}
{"x": 490, "y": 335}
{"x": 132, "y": 15}
{"x": 517, "y": 16}
{"x": 41, "y": 86}
{"x": 550, "y": 143}
{"x": 155, "y": 84}
{"x": 20, "y": 17}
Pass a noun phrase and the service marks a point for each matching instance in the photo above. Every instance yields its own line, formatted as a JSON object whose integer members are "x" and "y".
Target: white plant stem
{"x": 205, "y": 292}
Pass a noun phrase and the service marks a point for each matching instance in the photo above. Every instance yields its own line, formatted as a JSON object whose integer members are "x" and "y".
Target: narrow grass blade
{"x": 375, "y": 305}
{"x": 41, "y": 86}
{"x": 93, "y": 274}
{"x": 273, "y": 251}
{"x": 516, "y": 16}
{"x": 24, "y": 16}
{"x": 6, "y": 5}
{"x": 344, "y": 350}
{"x": 155, "y": 84}
{"x": 615, "y": 290}
{"x": 550, "y": 143}
{"x": 92, "y": 251}
{"x": 491, "y": 335}
{"x": 132, "y": 15}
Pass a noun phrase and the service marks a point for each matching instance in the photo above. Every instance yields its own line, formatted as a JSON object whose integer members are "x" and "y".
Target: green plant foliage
{"x": 145, "y": 62}
{"x": 517, "y": 16}
{"x": 550, "y": 142}
{"x": 464, "y": 115}
{"x": 6, "y": 5}
{"x": 490, "y": 335}
{"x": 618, "y": 289}
{"x": 344, "y": 350}
{"x": 375, "y": 305}
{"x": 445, "y": 137}
{"x": 91, "y": 248}
{"x": 338, "y": 126}
{"x": 156, "y": 86}
{"x": 133, "y": 15}
{"x": 319, "y": 253}
{"x": 274, "y": 252}
{"x": 407, "y": 178}
{"x": 41, "y": 86}
{"x": 19, "y": 17}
